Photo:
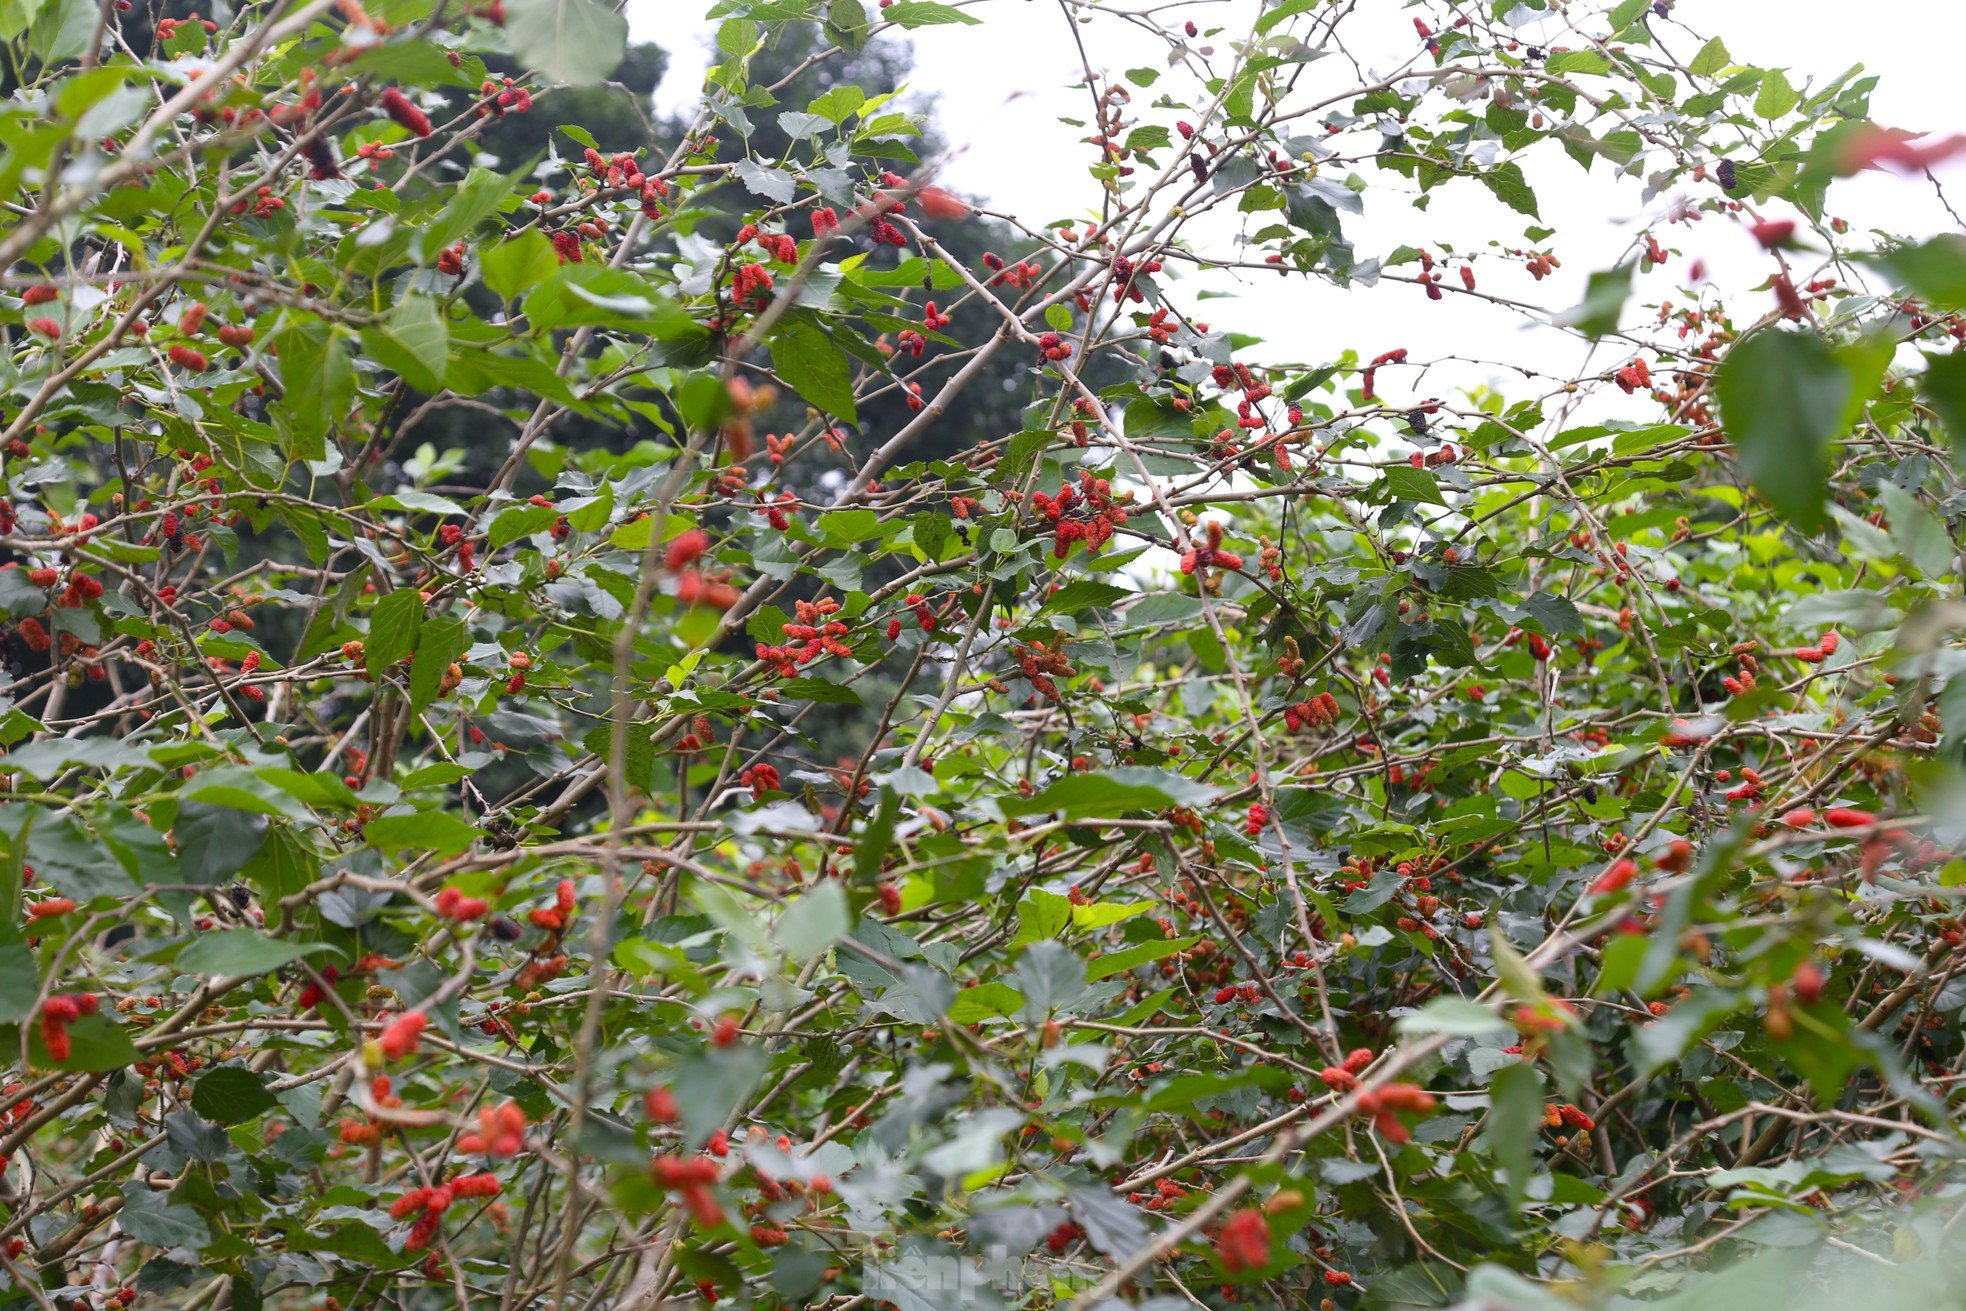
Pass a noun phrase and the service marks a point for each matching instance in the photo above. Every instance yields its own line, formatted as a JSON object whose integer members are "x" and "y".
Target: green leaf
{"x": 1285, "y": 9}
{"x": 1917, "y": 532}
{"x": 1041, "y": 914}
{"x": 152, "y": 1217}
{"x": 1777, "y": 96}
{"x": 243, "y": 952}
{"x": 1084, "y": 593}
{"x": 811, "y": 924}
{"x": 417, "y": 325}
{"x": 1669, "y": 1037}
{"x": 1512, "y": 188}
{"x": 925, "y": 13}
{"x": 1455, "y": 1016}
{"x": 520, "y": 521}
{"x": 427, "y": 830}
{"x": 1943, "y": 385}
{"x": 317, "y": 383}
{"x": 1112, "y": 793}
{"x": 1129, "y": 958}
{"x": 518, "y": 264}
{"x": 877, "y": 838}
{"x": 1603, "y": 305}
{"x": 818, "y": 689}
{"x": 576, "y": 41}
{"x": 1713, "y": 57}
{"x": 438, "y": 643}
{"x": 74, "y": 862}
{"x": 803, "y": 354}
{"x": 985, "y": 1001}
{"x": 838, "y": 104}
{"x": 215, "y": 842}
{"x": 1519, "y": 980}
{"x": 20, "y": 981}
{"x": 774, "y": 184}
{"x": 286, "y": 863}
{"x": 393, "y": 627}
{"x": 1935, "y": 270}
{"x": 231, "y": 1094}
{"x": 1400, "y": 482}
{"x": 1514, "y": 1120}
{"x": 1783, "y": 396}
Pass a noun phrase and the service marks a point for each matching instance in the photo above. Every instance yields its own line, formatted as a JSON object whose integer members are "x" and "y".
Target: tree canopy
{"x": 614, "y": 713}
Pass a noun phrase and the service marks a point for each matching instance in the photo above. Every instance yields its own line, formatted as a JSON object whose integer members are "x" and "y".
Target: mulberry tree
{"x": 555, "y": 758}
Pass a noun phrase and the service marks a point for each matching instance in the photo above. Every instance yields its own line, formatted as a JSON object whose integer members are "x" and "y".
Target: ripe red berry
{"x": 398, "y": 106}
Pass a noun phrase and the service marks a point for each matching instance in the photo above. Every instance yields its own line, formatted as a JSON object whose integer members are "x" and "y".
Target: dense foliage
{"x": 609, "y": 714}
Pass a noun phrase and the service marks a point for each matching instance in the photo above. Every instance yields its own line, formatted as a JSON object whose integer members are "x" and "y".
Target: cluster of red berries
{"x": 555, "y": 918}
{"x": 1615, "y": 876}
{"x": 1834, "y": 817}
{"x": 1750, "y": 786}
{"x": 81, "y": 588}
{"x": 1320, "y": 710}
{"x": 1430, "y": 276}
{"x": 690, "y": 1179}
{"x": 428, "y": 1204}
{"x": 1442, "y": 454}
{"x": 51, "y": 907}
{"x": 1062, "y": 1237}
{"x": 702, "y": 733}
{"x": 502, "y": 98}
{"x": 1384, "y": 1105}
{"x": 460, "y": 909}
{"x": 1825, "y": 648}
{"x": 1125, "y": 278}
{"x": 1166, "y": 1193}
{"x": 815, "y": 633}
{"x": 779, "y": 245}
{"x": 1636, "y": 376}
{"x": 1369, "y": 376}
{"x": 1041, "y": 665}
{"x": 452, "y": 535}
{"x": 1539, "y": 646}
{"x": 1540, "y": 266}
{"x": 760, "y": 778}
{"x": 1086, "y": 513}
{"x": 1558, "y": 1114}
{"x": 501, "y": 1132}
{"x": 1200, "y": 559}
{"x": 1243, "y": 1242}
{"x": 924, "y": 617}
{"x": 1743, "y": 681}
{"x": 1019, "y": 275}
{"x": 60, "y": 1011}
{"x": 1054, "y": 347}
{"x": 1344, "y": 1076}
{"x": 402, "y": 1036}
{"x": 399, "y": 107}
{"x": 751, "y": 285}
{"x": 315, "y": 990}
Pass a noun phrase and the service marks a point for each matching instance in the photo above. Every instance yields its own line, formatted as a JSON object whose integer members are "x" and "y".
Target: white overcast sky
{"x": 1000, "y": 88}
